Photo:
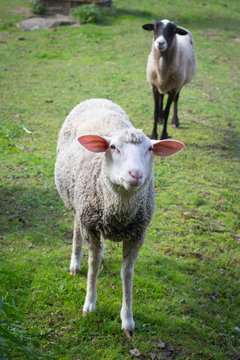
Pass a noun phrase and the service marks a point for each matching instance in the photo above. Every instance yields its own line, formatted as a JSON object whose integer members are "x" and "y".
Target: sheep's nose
{"x": 136, "y": 174}
{"x": 161, "y": 44}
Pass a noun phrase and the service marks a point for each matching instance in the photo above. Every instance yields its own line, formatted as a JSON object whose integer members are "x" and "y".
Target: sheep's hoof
{"x": 153, "y": 136}
{"x": 128, "y": 333}
{"x": 74, "y": 272}
{"x": 175, "y": 122}
{"x": 164, "y": 136}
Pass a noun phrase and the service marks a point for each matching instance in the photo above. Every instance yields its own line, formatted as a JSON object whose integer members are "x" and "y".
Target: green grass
{"x": 186, "y": 285}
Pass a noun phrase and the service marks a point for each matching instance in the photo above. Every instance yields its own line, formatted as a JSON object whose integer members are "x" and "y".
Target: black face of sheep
{"x": 164, "y": 33}
{"x": 171, "y": 64}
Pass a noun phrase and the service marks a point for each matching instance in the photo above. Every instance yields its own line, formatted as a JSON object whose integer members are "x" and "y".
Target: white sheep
{"x": 104, "y": 172}
{"x": 171, "y": 64}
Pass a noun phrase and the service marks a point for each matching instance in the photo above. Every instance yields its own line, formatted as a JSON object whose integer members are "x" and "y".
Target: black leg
{"x": 175, "y": 120}
{"x": 166, "y": 114}
{"x": 160, "y": 117}
{"x": 157, "y": 111}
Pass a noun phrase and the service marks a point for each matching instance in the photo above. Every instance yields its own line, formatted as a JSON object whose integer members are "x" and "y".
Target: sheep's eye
{"x": 113, "y": 147}
{"x": 150, "y": 148}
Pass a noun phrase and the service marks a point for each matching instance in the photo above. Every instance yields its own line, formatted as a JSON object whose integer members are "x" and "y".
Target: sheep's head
{"x": 164, "y": 33}
{"x": 129, "y": 155}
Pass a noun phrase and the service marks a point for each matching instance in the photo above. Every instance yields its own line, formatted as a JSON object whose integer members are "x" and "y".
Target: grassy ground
{"x": 186, "y": 286}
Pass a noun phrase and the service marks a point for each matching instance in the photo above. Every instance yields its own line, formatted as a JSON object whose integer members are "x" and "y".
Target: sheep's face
{"x": 129, "y": 163}
{"x": 129, "y": 156}
{"x": 164, "y": 33}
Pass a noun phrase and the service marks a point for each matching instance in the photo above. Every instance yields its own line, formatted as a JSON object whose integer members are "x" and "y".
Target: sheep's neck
{"x": 124, "y": 213}
{"x": 117, "y": 199}
{"x": 121, "y": 197}
{"x": 165, "y": 60}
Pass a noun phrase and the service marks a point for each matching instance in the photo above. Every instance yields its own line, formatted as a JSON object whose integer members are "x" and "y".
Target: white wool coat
{"x": 82, "y": 181}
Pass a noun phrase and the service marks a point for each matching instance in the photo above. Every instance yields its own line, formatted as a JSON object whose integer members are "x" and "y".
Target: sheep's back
{"x": 94, "y": 116}
{"x": 186, "y": 57}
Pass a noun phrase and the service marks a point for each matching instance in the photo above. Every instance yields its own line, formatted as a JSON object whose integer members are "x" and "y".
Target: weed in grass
{"x": 92, "y": 13}
{"x": 38, "y": 7}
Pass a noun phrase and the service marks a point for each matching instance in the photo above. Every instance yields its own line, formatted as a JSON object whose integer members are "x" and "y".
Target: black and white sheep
{"x": 171, "y": 64}
{"x": 104, "y": 172}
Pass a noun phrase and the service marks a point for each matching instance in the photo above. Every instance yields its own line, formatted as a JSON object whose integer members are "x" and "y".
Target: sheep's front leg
{"x": 95, "y": 255}
{"x": 130, "y": 253}
{"x": 171, "y": 97}
{"x": 158, "y": 111}
{"x": 76, "y": 257}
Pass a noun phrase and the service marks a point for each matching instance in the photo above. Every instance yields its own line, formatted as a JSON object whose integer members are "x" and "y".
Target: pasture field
{"x": 186, "y": 297}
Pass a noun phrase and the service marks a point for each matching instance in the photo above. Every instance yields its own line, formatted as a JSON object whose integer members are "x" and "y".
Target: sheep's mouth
{"x": 162, "y": 48}
{"x": 160, "y": 44}
{"x": 134, "y": 183}
{"x": 131, "y": 184}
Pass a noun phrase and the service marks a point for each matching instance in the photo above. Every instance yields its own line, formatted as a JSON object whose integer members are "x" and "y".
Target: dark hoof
{"x": 153, "y": 136}
{"x": 175, "y": 123}
{"x": 164, "y": 136}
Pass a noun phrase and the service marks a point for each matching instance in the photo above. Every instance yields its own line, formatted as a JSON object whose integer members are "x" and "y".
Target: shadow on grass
{"x": 227, "y": 142}
{"x": 135, "y": 13}
{"x": 193, "y": 21}
{"x": 33, "y": 212}
{"x": 196, "y": 21}
{"x": 232, "y": 142}
{"x": 192, "y": 298}
{"x": 117, "y": 13}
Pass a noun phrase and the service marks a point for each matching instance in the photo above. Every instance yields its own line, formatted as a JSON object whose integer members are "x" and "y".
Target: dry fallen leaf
{"x": 22, "y": 148}
{"x": 27, "y": 131}
{"x": 161, "y": 344}
{"x": 135, "y": 352}
{"x": 153, "y": 356}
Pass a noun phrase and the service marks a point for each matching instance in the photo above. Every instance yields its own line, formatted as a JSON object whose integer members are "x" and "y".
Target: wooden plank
{"x": 64, "y": 6}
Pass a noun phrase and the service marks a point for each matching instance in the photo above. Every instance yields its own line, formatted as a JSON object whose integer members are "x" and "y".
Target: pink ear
{"x": 93, "y": 143}
{"x": 167, "y": 147}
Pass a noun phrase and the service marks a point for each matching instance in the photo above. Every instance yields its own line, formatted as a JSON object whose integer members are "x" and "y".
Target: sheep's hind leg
{"x": 102, "y": 249}
{"x": 130, "y": 253}
{"x": 76, "y": 257}
{"x": 175, "y": 120}
{"x": 95, "y": 256}
{"x": 160, "y": 116}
